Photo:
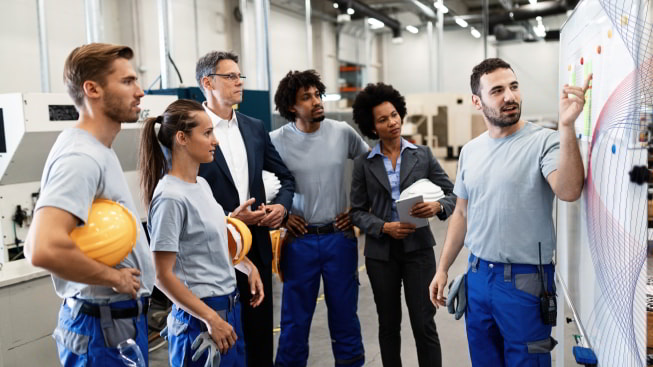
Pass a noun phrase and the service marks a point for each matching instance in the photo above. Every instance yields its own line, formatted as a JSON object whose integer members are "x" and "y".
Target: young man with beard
{"x": 103, "y": 305}
{"x": 315, "y": 150}
{"x": 507, "y": 179}
{"x": 235, "y": 176}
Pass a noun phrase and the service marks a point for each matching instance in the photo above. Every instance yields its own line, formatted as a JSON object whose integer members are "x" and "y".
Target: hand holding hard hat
{"x": 238, "y": 235}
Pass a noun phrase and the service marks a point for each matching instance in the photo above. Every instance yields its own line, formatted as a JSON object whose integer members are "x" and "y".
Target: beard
{"x": 495, "y": 118}
{"x": 319, "y": 118}
{"x": 118, "y": 110}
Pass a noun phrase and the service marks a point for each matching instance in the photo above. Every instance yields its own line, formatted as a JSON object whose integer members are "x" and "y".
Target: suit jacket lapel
{"x": 408, "y": 162}
{"x": 245, "y": 132}
{"x": 378, "y": 170}
{"x": 219, "y": 160}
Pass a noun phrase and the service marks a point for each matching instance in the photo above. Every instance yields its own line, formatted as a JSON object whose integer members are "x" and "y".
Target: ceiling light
{"x": 533, "y": 2}
{"x": 335, "y": 5}
{"x": 343, "y": 18}
{"x": 460, "y": 21}
{"x": 350, "y": 11}
{"x": 412, "y": 29}
{"x": 375, "y": 23}
{"x": 441, "y": 8}
{"x": 475, "y": 33}
{"x": 331, "y": 97}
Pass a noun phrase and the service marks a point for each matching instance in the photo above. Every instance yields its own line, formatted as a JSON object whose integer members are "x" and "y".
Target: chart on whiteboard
{"x": 605, "y": 244}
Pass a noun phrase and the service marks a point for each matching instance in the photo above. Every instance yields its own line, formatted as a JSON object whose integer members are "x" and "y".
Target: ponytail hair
{"x": 152, "y": 163}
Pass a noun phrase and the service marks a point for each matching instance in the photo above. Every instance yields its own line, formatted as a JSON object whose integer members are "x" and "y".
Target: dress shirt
{"x": 231, "y": 143}
{"x": 393, "y": 174}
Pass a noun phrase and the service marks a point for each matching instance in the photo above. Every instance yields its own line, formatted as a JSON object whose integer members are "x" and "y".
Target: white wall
{"x": 324, "y": 54}
{"x": 406, "y": 65}
{"x": 403, "y": 65}
{"x": 536, "y": 67}
{"x": 287, "y": 45}
{"x": 214, "y": 21}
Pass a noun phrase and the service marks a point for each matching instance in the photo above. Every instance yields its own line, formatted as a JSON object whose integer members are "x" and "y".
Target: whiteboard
{"x": 601, "y": 251}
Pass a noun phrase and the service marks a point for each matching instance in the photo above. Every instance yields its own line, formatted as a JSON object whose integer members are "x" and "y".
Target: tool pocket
{"x": 530, "y": 284}
{"x": 71, "y": 347}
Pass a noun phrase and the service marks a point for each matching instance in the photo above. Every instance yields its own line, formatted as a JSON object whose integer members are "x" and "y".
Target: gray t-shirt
{"x": 78, "y": 170}
{"x": 509, "y": 200}
{"x": 185, "y": 218}
{"x": 317, "y": 161}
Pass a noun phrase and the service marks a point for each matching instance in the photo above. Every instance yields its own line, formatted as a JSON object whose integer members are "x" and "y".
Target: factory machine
{"x": 29, "y": 126}
{"x": 442, "y": 121}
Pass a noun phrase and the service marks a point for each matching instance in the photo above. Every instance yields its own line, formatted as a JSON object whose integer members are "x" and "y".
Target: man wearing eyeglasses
{"x": 235, "y": 175}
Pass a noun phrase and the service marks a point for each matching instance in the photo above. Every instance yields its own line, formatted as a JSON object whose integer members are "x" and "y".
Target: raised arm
{"x": 567, "y": 181}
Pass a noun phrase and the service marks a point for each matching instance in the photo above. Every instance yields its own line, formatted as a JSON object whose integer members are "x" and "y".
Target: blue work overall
{"x": 183, "y": 328}
{"x": 80, "y": 337}
{"x": 503, "y": 320}
{"x": 334, "y": 257}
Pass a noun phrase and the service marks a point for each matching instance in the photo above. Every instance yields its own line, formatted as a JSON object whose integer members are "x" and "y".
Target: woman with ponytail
{"x": 188, "y": 237}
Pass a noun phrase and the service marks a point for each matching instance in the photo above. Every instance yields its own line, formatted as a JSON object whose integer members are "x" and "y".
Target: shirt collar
{"x": 217, "y": 120}
{"x": 377, "y": 148}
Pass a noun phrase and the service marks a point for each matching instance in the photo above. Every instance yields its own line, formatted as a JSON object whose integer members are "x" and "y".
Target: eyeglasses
{"x": 233, "y": 77}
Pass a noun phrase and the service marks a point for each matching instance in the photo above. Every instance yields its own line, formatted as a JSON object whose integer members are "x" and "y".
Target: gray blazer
{"x": 371, "y": 198}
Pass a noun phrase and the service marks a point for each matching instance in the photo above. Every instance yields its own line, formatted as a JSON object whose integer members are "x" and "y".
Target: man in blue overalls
{"x": 315, "y": 150}
{"x": 103, "y": 305}
{"x": 506, "y": 182}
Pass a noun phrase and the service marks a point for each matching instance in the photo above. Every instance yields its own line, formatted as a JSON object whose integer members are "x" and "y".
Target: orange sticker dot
{"x": 598, "y": 49}
{"x": 582, "y": 61}
{"x": 610, "y": 33}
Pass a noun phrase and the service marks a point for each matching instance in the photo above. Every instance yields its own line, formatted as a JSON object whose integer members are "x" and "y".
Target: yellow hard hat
{"x": 238, "y": 251}
{"x": 109, "y": 234}
{"x": 278, "y": 238}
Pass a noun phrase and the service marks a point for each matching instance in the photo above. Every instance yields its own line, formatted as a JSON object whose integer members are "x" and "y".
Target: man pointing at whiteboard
{"x": 506, "y": 181}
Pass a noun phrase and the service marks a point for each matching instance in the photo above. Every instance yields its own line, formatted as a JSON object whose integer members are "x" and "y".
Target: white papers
{"x": 403, "y": 209}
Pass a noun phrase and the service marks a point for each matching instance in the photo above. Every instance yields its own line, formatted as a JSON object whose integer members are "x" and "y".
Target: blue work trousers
{"x": 80, "y": 339}
{"x": 183, "y": 328}
{"x": 334, "y": 257}
{"x": 503, "y": 320}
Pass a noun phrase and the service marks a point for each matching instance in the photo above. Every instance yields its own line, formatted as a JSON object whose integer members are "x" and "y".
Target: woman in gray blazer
{"x": 397, "y": 252}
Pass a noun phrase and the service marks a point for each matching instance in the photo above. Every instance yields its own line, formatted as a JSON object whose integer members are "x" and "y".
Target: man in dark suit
{"x": 235, "y": 175}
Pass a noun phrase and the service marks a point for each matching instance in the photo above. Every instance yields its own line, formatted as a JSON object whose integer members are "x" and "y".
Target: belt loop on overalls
{"x": 507, "y": 270}
{"x": 232, "y": 301}
{"x": 75, "y": 307}
{"x": 139, "y": 302}
{"x": 475, "y": 264}
{"x": 105, "y": 316}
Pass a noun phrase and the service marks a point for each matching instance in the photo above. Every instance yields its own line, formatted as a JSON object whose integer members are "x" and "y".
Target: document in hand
{"x": 403, "y": 208}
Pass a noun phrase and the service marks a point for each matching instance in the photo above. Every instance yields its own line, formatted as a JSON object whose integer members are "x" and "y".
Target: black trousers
{"x": 257, "y": 322}
{"x": 416, "y": 270}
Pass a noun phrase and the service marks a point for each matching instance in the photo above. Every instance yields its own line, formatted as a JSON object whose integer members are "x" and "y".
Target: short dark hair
{"x": 90, "y": 62}
{"x": 208, "y": 64}
{"x": 485, "y": 67}
{"x": 286, "y": 94}
{"x": 370, "y": 97}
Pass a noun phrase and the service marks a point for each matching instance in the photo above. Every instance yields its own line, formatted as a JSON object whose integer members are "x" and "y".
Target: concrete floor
{"x": 452, "y": 334}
